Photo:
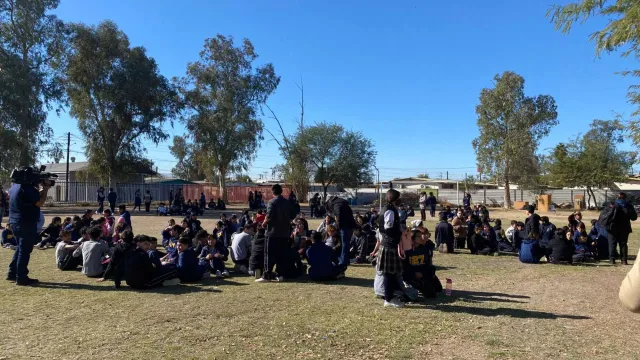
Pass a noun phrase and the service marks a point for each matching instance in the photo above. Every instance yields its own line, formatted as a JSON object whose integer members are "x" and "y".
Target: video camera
{"x": 30, "y": 176}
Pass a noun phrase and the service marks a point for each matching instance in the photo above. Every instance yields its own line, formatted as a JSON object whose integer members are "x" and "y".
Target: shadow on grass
{"x": 177, "y": 290}
{"x": 514, "y": 313}
{"x": 223, "y": 282}
{"x": 480, "y": 297}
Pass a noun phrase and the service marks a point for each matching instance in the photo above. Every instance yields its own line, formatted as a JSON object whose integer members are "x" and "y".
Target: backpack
{"x": 608, "y": 216}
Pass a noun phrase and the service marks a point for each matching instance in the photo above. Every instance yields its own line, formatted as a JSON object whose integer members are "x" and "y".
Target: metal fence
{"x": 73, "y": 192}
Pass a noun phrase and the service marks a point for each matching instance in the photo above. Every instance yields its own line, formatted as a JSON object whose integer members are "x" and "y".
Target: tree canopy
{"x": 188, "y": 166}
{"x": 592, "y": 161}
{"x": 222, "y": 94}
{"x": 619, "y": 33}
{"x": 118, "y": 97}
{"x": 511, "y": 125}
{"x": 31, "y": 38}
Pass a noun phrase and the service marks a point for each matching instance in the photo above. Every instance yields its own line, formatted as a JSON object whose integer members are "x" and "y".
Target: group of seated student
{"x": 418, "y": 270}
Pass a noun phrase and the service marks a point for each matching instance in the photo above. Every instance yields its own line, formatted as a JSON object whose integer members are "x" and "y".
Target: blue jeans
{"x": 26, "y": 237}
{"x": 345, "y": 258}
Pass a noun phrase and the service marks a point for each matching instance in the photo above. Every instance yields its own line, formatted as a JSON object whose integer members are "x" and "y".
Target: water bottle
{"x": 449, "y": 287}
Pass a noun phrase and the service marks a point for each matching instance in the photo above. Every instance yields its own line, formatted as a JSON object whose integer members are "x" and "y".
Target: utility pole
{"x": 66, "y": 192}
{"x": 447, "y": 175}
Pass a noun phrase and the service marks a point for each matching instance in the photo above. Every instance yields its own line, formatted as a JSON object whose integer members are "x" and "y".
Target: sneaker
{"x": 394, "y": 303}
{"x": 41, "y": 247}
{"x": 279, "y": 279}
{"x": 244, "y": 269}
{"x": 340, "y": 275}
{"x": 252, "y": 273}
{"x": 224, "y": 273}
{"x": 27, "y": 282}
{"x": 262, "y": 280}
{"x": 218, "y": 274}
{"x": 206, "y": 275}
{"x": 171, "y": 282}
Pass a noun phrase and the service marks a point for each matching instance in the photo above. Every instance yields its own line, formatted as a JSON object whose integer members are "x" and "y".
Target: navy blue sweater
{"x": 319, "y": 256}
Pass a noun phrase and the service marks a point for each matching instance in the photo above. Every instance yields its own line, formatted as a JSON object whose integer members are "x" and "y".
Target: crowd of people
{"x": 273, "y": 244}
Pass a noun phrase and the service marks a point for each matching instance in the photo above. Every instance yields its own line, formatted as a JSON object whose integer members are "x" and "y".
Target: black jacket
{"x": 138, "y": 269}
{"x": 532, "y": 222}
{"x": 116, "y": 266}
{"x": 561, "y": 249}
{"x": 444, "y": 232}
{"x": 280, "y": 212}
{"x": 256, "y": 260}
{"x": 341, "y": 211}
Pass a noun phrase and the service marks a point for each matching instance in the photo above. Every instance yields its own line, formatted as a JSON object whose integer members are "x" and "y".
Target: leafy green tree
{"x": 592, "y": 161}
{"x": 30, "y": 39}
{"x": 222, "y": 94}
{"x": 118, "y": 97}
{"x": 243, "y": 178}
{"x": 187, "y": 167}
{"x": 423, "y": 176}
{"x": 511, "y": 126}
{"x": 619, "y": 33}
{"x": 336, "y": 156}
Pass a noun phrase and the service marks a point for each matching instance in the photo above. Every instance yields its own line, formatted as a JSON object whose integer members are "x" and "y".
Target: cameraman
{"x": 25, "y": 201}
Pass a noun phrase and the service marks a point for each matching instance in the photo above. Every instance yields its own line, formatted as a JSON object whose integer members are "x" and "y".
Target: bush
{"x": 410, "y": 198}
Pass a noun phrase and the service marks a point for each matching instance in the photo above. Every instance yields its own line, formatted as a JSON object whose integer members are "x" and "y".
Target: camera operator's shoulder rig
{"x": 28, "y": 175}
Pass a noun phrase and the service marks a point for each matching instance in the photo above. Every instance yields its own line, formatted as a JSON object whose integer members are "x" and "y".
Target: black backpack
{"x": 608, "y": 215}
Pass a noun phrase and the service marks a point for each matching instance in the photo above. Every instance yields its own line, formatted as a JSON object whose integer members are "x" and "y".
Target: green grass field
{"x": 500, "y": 309}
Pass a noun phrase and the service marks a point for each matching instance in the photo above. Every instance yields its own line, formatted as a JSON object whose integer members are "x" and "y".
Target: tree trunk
{"x": 588, "y": 196}
{"x": 507, "y": 193}
{"x": 324, "y": 187}
{"x": 592, "y": 195}
{"x": 223, "y": 183}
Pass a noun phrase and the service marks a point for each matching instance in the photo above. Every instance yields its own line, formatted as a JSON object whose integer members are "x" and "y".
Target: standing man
{"x": 432, "y": 201}
{"x": 203, "y": 202}
{"x": 147, "y": 201}
{"x": 112, "y": 197}
{"x": 170, "y": 197}
{"x": 621, "y": 213}
{"x": 423, "y": 206}
{"x": 345, "y": 223}
{"x": 100, "y": 200}
{"x": 24, "y": 212}
{"x": 3, "y": 204}
{"x": 466, "y": 201}
{"x": 278, "y": 230}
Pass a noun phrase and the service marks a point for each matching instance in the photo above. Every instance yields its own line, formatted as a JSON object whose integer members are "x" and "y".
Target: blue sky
{"x": 407, "y": 74}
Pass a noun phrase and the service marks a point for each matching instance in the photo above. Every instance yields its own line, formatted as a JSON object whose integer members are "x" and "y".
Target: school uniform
{"x": 51, "y": 234}
{"x": 547, "y": 233}
{"x": 561, "y": 250}
{"x": 388, "y": 262}
{"x": 444, "y": 235}
{"x": 115, "y": 268}
{"x": 7, "y": 238}
{"x": 420, "y": 260}
{"x": 320, "y": 258}
{"x": 215, "y": 264}
{"x": 256, "y": 260}
{"x": 189, "y": 269}
{"x": 141, "y": 273}
{"x": 530, "y": 251}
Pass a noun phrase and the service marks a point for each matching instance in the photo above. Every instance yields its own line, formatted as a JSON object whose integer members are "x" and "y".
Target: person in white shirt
{"x": 241, "y": 248}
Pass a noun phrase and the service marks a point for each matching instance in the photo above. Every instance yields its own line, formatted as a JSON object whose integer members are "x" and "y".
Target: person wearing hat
{"x": 533, "y": 220}
{"x": 444, "y": 234}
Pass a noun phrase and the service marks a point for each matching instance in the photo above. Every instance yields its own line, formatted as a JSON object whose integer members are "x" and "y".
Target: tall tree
{"x": 619, "y": 33}
{"x": 592, "y": 161}
{"x": 222, "y": 94}
{"x": 118, "y": 97}
{"x": 511, "y": 126}
{"x": 30, "y": 39}
{"x": 339, "y": 157}
{"x": 187, "y": 167}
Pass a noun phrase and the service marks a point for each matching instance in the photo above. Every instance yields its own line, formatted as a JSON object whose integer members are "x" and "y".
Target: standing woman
{"x": 147, "y": 201}
{"x": 432, "y": 201}
{"x": 388, "y": 250}
{"x": 423, "y": 206}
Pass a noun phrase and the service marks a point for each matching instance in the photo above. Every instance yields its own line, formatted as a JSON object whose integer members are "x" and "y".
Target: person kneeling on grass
{"x": 92, "y": 252}
{"x": 189, "y": 270}
{"x": 561, "y": 246}
{"x": 418, "y": 269}
{"x": 212, "y": 259}
{"x": 64, "y": 252}
{"x": 140, "y": 272}
{"x": 530, "y": 250}
{"x": 320, "y": 257}
{"x": 115, "y": 267}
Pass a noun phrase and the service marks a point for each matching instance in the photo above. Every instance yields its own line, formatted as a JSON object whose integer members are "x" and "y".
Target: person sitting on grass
{"x": 154, "y": 254}
{"x": 92, "y": 252}
{"x": 479, "y": 242}
{"x": 530, "y": 251}
{"x": 333, "y": 240}
{"x": 200, "y": 241}
{"x": 320, "y": 258}
{"x": 220, "y": 233}
{"x": 256, "y": 260}
{"x": 189, "y": 268}
{"x": 212, "y": 259}
{"x": 64, "y": 252}
{"x": 260, "y": 216}
{"x": 212, "y": 204}
{"x": 562, "y": 248}
{"x": 359, "y": 245}
{"x": 51, "y": 234}
{"x": 418, "y": 269}
{"x": 518, "y": 236}
{"x": 140, "y": 272}
{"x": 166, "y": 233}
{"x": 221, "y": 205}
{"x": 241, "y": 249}
{"x": 162, "y": 210}
{"x": 291, "y": 266}
{"x": 583, "y": 245}
{"x": 328, "y": 220}
{"x": 7, "y": 239}
{"x": 444, "y": 235}
{"x": 115, "y": 266}
{"x": 172, "y": 246}
{"x": 490, "y": 237}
